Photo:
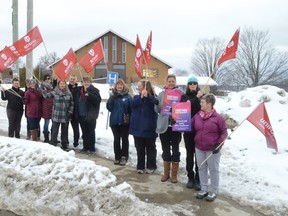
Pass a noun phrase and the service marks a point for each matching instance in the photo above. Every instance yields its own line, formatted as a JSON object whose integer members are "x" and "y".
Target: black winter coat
{"x": 14, "y": 97}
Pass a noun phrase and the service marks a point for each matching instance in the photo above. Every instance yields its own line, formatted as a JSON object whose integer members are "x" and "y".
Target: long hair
{"x": 57, "y": 89}
{"x": 188, "y": 89}
{"x": 149, "y": 87}
{"x": 125, "y": 89}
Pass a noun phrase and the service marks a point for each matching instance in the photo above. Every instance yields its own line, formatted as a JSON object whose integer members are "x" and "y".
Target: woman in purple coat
{"x": 32, "y": 99}
{"x": 210, "y": 132}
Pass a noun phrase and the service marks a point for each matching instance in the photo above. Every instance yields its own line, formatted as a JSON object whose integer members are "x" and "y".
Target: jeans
{"x": 46, "y": 126}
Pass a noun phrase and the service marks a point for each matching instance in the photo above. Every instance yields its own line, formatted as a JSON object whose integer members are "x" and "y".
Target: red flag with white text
{"x": 28, "y": 42}
{"x": 65, "y": 66}
{"x": 7, "y": 58}
{"x": 93, "y": 57}
{"x": 14, "y": 50}
{"x": 147, "y": 51}
{"x": 231, "y": 48}
{"x": 138, "y": 56}
{"x": 259, "y": 118}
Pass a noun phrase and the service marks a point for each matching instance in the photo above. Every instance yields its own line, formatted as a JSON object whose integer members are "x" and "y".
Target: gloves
{"x": 216, "y": 149}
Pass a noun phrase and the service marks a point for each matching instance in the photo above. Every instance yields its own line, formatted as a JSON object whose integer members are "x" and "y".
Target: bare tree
{"x": 257, "y": 62}
{"x": 43, "y": 64}
{"x": 205, "y": 57}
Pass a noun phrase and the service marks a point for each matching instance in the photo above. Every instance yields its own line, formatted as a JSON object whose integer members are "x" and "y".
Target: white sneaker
{"x": 150, "y": 171}
{"x": 140, "y": 171}
{"x": 211, "y": 196}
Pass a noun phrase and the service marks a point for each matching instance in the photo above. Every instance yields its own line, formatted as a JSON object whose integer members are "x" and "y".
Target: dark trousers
{"x": 76, "y": 133}
{"x": 191, "y": 157}
{"x": 145, "y": 146}
{"x": 14, "y": 122}
{"x": 34, "y": 123}
{"x": 64, "y": 133}
{"x": 170, "y": 139}
{"x": 88, "y": 127}
{"x": 121, "y": 132}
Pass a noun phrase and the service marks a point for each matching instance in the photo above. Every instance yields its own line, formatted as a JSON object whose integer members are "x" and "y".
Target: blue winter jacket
{"x": 143, "y": 120}
{"x": 118, "y": 104}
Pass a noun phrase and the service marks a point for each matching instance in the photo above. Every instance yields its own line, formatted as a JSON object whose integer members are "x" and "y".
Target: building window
{"x": 114, "y": 49}
{"x": 123, "y": 52}
{"x": 105, "y": 48}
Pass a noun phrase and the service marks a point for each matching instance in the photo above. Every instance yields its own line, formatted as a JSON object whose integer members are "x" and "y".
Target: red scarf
{"x": 83, "y": 94}
{"x": 205, "y": 115}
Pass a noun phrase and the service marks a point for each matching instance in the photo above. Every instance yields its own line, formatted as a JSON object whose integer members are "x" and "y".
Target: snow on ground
{"x": 40, "y": 179}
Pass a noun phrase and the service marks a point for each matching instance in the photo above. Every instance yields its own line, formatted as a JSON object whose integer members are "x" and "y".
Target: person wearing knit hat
{"x": 192, "y": 79}
{"x": 193, "y": 94}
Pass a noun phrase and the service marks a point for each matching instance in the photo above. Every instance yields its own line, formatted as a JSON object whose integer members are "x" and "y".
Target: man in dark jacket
{"x": 14, "y": 107}
{"x": 75, "y": 91}
{"x": 88, "y": 105}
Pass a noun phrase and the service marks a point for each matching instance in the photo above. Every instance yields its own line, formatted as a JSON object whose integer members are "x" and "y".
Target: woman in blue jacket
{"x": 143, "y": 124}
{"x": 119, "y": 106}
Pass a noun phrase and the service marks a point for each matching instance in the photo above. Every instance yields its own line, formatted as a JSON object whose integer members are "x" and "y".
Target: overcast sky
{"x": 176, "y": 25}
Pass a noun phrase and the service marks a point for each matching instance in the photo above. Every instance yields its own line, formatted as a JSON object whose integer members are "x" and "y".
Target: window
{"x": 123, "y": 52}
{"x": 106, "y": 49}
{"x": 114, "y": 49}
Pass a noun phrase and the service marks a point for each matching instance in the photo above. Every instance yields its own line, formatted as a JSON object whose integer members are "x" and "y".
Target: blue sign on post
{"x": 112, "y": 77}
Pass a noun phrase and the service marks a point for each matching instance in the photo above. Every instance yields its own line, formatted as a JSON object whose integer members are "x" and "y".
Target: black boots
{"x": 46, "y": 137}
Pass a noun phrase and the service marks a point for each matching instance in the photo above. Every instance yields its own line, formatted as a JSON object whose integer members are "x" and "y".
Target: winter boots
{"x": 175, "y": 168}
{"x": 46, "y": 137}
{"x": 174, "y": 172}
{"x": 167, "y": 167}
{"x": 34, "y": 135}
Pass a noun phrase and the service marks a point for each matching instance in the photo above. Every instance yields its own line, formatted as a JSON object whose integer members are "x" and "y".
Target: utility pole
{"x": 15, "y": 33}
{"x": 29, "y": 57}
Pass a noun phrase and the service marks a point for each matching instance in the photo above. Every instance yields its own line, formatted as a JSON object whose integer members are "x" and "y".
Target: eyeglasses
{"x": 48, "y": 78}
{"x": 194, "y": 83}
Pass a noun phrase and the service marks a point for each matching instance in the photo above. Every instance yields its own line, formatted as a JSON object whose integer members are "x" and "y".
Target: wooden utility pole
{"x": 29, "y": 57}
{"x": 15, "y": 33}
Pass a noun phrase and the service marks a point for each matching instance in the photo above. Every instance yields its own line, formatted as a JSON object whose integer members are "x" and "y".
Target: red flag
{"x": 259, "y": 118}
{"x": 231, "y": 48}
{"x": 7, "y": 58}
{"x": 147, "y": 51}
{"x": 65, "y": 65}
{"x": 93, "y": 57}
{"x": 14, "y": 50}
{"x": 28, "y": 42}
{"x": 138, "y": 56}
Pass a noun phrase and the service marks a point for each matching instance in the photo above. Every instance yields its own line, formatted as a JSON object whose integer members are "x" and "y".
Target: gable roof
{"x": 113, "y": 32}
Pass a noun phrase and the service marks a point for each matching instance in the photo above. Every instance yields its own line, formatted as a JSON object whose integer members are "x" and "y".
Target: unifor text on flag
{"x": 66, "y": 64}
{"x": 7, "y": 58}
{"x": 259, "y": 118}
{"x": 231, "y": 48}
{"x": 93, "y": 57}
{"x": 28, "y": 42}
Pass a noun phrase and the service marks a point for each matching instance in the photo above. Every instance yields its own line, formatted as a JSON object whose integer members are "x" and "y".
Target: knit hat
{"x": 192, "y": 79}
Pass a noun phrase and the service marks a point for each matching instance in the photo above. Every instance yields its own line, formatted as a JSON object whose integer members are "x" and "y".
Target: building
{"x": 119, "y": 57}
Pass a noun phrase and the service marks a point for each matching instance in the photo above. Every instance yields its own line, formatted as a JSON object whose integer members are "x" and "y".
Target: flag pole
{"x": 222, "y": 143}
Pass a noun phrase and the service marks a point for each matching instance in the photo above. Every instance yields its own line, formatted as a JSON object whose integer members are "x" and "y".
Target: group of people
{"x": 146, "y": 121}
{"x": 56, "y": 101}
{"x": 140, "y": 116}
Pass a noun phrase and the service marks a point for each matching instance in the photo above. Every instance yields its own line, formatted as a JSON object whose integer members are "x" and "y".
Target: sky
{"x": 33, "y": 175}
{"x": 176, "y": 26}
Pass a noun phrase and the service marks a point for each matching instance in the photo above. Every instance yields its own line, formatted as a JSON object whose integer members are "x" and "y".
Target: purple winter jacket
{"x": 209, "y": 132}
{"x": 33, "y": 101}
